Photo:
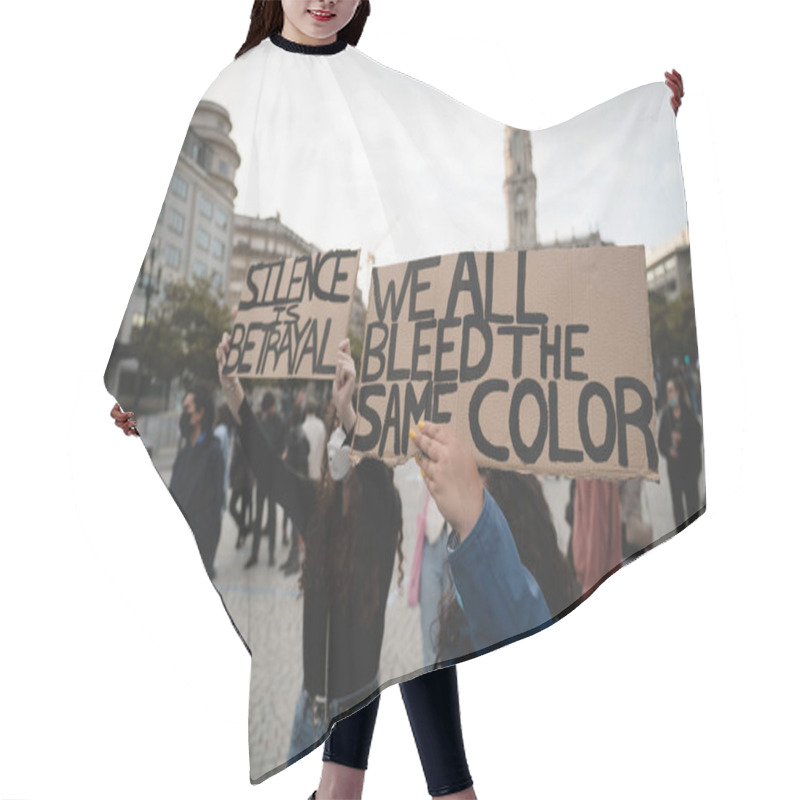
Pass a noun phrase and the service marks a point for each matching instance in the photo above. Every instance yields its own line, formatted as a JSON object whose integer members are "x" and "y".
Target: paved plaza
{"x": 266, "y": 605}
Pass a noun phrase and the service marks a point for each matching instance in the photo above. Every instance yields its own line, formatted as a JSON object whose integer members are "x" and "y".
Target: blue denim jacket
{"x": 499, "y": 595}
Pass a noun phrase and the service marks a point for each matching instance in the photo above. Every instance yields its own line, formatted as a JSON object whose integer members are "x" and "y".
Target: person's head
{"x": 268, "y": 403}
{"x": 341, "y": 546}
{"x": 345, "y": 19}
{"x": 677, "y": 394}
{"x": 198, "y": 411}
{"x": 312, "y": 408}
{"x": 296, "y": 416}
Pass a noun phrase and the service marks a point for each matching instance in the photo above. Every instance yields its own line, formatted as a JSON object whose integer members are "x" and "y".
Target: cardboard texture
{"x": 541, "y": 359}
{"x": 292, "y": 314}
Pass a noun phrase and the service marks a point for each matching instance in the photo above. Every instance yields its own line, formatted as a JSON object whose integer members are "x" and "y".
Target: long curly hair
{"x": 525, "y": 508}
{"x": 266, "y": 18}
{"x": 342, "y": 555}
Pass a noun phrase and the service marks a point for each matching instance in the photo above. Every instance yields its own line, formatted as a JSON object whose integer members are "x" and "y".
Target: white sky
{"x": 341, "y": 162}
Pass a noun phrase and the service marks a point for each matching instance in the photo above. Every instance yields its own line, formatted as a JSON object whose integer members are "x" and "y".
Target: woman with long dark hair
{"x": 352, "y": 521}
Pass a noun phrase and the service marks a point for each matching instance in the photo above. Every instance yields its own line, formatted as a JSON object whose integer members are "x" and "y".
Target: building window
{"x": 206, "y": 207}
{"x": 203, "y": 238}
{"x": 172, "y": 256}
{"x": 175, "y": 220}
{"x": 223, "y": 168}
{"x": 222, "y": 219}
{"x": 242, "y": 243}
{"x": 179, "y": 186}
{"x": 200, "y": 269}
{"x": 219, "y": 249}
{"x": 216, "y": 280}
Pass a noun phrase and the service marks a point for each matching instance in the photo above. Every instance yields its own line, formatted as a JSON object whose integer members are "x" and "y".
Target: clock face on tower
{"x": 520, "y": 199}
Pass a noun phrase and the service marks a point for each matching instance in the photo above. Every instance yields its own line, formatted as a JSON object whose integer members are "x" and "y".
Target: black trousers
{"x": 685, "y": 495}
{"x": 433, "y": 710}
{"x": 260, "y": 527}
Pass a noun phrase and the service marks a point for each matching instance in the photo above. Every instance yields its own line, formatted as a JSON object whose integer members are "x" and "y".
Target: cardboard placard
{"x": 540, "y": 359}
{"x": 292, "y": 314}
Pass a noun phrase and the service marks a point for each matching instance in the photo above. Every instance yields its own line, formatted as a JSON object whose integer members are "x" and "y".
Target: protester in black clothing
{"x": 198, "y": 474}
{"x": 680, "y": 442}
{"x": 275, "y": 431}
{"x": 242, "y": 482}
{"x": 352, "y": 525}
{"x": 297, "y": 451}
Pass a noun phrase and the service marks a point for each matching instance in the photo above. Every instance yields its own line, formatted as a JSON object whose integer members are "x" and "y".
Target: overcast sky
{"x": 355, "y": 154}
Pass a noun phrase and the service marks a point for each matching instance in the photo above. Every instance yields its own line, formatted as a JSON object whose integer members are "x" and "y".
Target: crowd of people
{"x": 605, "y": 517}
{"x": 343, "y": 525}
{"x": 299, "y": 437}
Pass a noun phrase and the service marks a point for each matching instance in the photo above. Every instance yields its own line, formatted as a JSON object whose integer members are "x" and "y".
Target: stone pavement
{"x": 266, "y": 606}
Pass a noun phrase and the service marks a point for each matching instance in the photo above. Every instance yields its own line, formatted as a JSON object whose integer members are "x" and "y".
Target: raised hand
{"x": 675, "y": 82}
{"x": 451, "y": 474}
{"x": 124, "y": 420}
{"x": 344, "y": 383}
{"x": 231, "y": 386}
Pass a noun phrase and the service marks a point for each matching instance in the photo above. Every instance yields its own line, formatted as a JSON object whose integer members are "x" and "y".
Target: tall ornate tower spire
{"x": 520, "y": 189}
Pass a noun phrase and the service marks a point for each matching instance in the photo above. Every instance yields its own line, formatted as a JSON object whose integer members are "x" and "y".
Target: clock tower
{"x": 520, "y": 189}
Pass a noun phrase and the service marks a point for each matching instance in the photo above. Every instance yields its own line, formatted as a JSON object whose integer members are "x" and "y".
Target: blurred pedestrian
{"x": 314, "y": 429}
{"x": 198, "y": 473}
{"x": 680, "y": 442}
{"x": 275, "y": 430}
{"x": 223, "y": 431}
{"x": 297, "y": 450}
{"x": 242, "y": 483}
{"x": 596, "y": 531}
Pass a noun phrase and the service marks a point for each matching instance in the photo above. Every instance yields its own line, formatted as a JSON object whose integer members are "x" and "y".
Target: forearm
{"x": 500, "y": 596}
{"x": 292, "y": 491}
{"x": 347, "y": 416}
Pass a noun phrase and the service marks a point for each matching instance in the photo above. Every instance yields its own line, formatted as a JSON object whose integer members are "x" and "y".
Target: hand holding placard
{"x": 232, "y": 387}
{"x": 344, "y": 383}
{"x": 291, "y": 311}
{"x": 451, "y": 474}
{"x": 540, "y": 360}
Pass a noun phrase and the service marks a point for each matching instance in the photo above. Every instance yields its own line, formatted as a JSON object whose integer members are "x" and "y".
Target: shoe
{"x": 314, "y": 794}
{"x": 251, "y": 562}
{"x": 290, "y": 567}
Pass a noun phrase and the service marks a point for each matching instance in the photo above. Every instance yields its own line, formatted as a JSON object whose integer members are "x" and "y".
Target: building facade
{"x": 193, "y": 236}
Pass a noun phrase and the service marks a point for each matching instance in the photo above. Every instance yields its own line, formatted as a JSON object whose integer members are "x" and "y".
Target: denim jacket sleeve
{"x": 499, "y": 595}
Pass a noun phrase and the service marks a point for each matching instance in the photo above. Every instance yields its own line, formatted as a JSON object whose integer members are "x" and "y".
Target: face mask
{"x": 673, "y": 403}
{"x": 185, "y": 424}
